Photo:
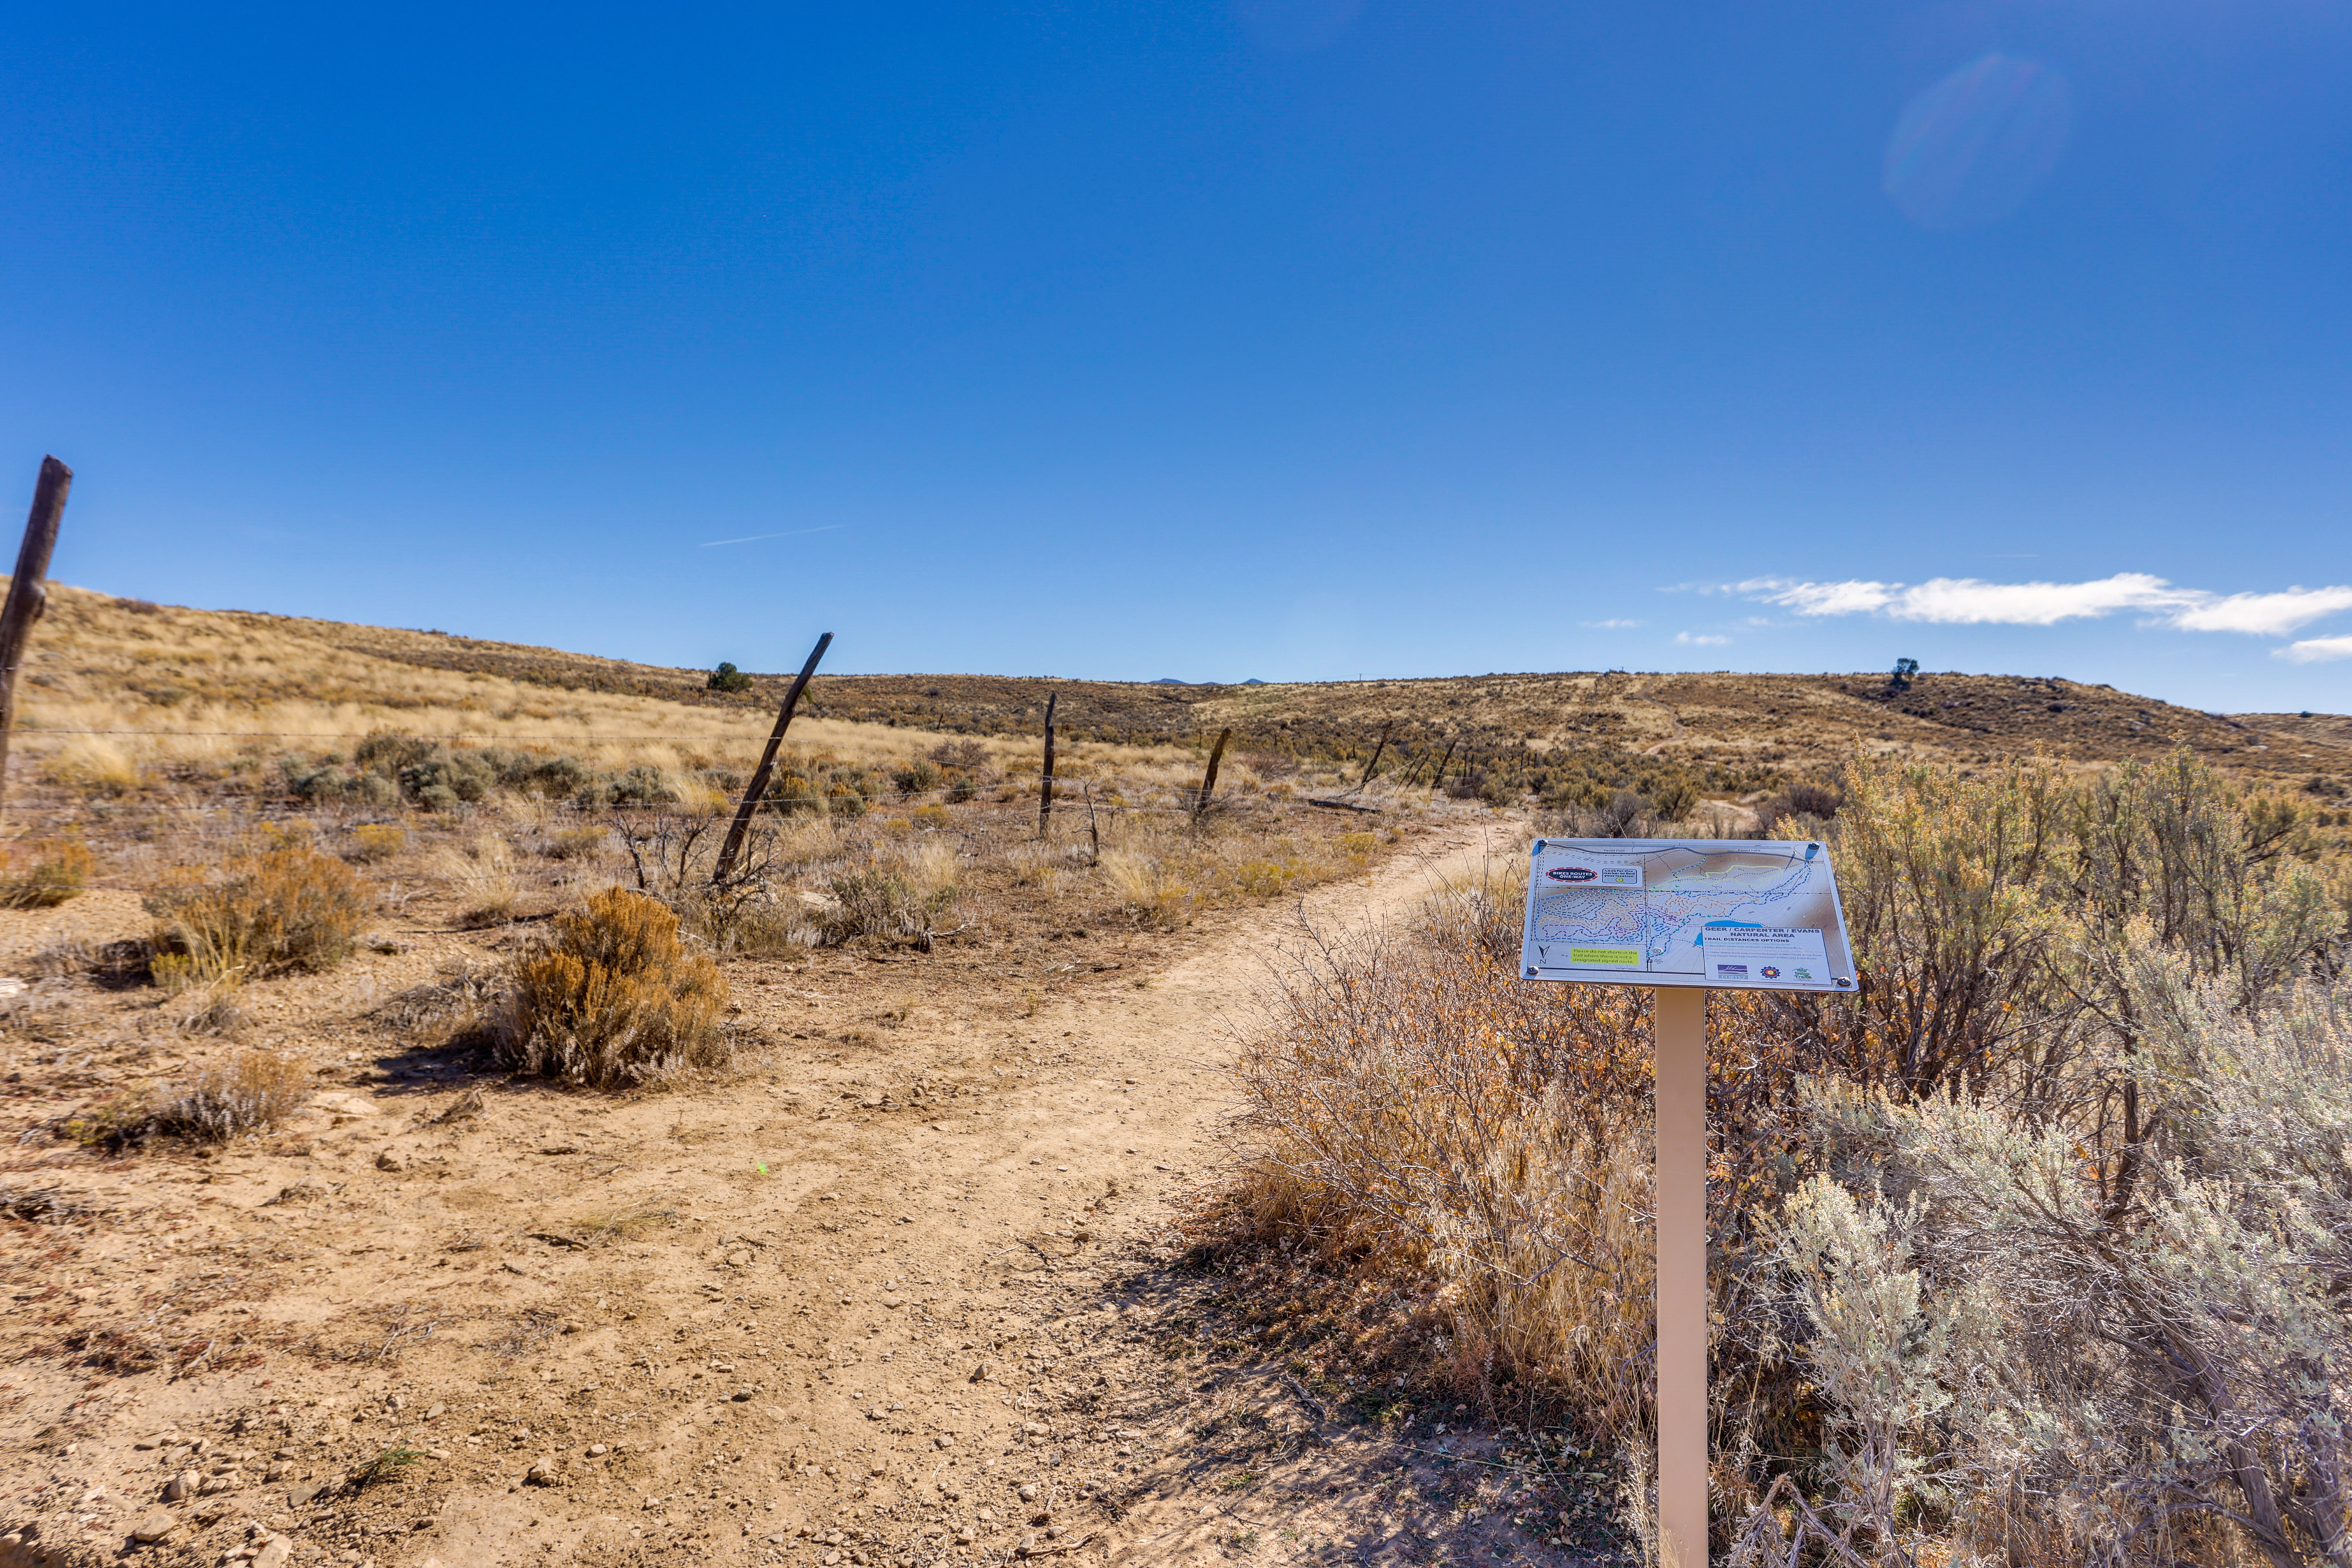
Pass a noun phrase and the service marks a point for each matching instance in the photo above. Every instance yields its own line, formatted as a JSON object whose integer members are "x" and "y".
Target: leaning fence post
{"x": 1045, "y": 775}
{"x": 1437, "y": 779}
{"x": 758, "y": 788}
{"x": 1094, "y": 829}
{"x": 1209, "y": 779}
{"x": 1376, "y": 755}
{"x": 28, "y": 595}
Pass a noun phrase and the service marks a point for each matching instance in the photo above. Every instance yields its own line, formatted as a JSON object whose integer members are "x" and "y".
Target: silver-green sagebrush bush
{"x": 2005, "y": 1350}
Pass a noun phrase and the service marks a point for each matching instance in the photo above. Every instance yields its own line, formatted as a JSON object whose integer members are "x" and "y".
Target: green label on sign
{"x": 1627, "y": 957}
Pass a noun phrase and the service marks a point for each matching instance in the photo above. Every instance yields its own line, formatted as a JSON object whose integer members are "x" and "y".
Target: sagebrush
{"x": 237, "y": 1095}
{"x": 245, "y": 1092}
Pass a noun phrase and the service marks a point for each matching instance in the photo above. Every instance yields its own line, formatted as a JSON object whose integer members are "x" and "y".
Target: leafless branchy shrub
{"x": 672, "y": 855}
{"x": 671, "y": 851}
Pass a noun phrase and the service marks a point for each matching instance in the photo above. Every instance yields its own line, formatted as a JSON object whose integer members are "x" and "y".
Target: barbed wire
{"x": 794, "y": 805}
{"x": 1073, "y": 828}
{"x": 947, "y": 737}
{"x": 422, "y": 735}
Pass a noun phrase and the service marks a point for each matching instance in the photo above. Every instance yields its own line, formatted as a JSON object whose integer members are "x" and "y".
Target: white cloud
{"x": 1611, "y": 625}
{"x": 1690, "y": 640}
{"x": 2266, "y": 615}
{"x": 1821, "y": 599}
{"x": 1970, "y": 601}
{"x": 2317, "y": 650}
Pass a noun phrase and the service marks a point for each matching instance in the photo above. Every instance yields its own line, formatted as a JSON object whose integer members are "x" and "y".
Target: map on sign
{"x": 1737, "y": 913}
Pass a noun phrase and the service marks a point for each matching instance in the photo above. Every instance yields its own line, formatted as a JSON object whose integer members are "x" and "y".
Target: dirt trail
{"x": 915, "y": 1307}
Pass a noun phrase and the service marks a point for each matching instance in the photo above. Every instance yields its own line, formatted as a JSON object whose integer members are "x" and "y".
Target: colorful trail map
{"x": 1734, "y": 913}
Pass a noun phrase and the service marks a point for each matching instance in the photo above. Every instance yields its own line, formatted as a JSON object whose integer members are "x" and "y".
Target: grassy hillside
{"x": 193, "y": 685}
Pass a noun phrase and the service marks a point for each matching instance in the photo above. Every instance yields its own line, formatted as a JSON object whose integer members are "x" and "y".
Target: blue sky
{"x": 1290, "y": 338}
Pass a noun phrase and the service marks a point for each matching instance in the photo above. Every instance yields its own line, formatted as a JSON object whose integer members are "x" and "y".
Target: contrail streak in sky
{"x": 755, "y": 538}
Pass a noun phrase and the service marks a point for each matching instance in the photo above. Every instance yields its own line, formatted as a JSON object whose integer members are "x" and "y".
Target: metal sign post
{"x": 1683, "y": 916}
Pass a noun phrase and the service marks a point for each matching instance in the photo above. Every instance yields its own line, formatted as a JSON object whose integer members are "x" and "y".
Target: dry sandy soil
{"x": 913, "y": 1287}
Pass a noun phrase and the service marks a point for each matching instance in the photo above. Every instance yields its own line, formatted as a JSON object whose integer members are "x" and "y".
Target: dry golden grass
{"x": 89, "y": 764}
{"x": 615, "y": 1000}
{"x": 574, "y": 843}
{"x": 1416, "y": 1115}
{"x": 229, "y": 693}
{"x": 1153, "y": 891}
{"x": 482, "y": 875}
{"x": 928, "y": 863}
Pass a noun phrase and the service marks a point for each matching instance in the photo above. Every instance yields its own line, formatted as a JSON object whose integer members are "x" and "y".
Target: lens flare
{"x": 1970, "y": 149}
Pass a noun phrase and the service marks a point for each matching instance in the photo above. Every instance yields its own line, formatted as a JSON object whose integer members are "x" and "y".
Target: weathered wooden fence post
{"x": 1437, "y": 780}
{"x": 758, "y": 788}
{"x": 1209, "y": 779}
{"x": 1376, "y": 755}
{"x": 28, "y": 594}
{"x": 1046, "y": 777}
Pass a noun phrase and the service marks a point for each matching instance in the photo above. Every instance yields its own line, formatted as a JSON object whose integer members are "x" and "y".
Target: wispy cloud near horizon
{"x": 1970, "y": 601}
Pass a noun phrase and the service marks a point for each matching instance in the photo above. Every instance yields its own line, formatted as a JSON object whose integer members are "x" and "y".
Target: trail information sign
{"x": 1687, "y": 916}
{"x": 1724, "y": 914}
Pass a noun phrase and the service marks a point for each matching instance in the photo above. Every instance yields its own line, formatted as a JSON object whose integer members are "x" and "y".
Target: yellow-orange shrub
{"x": 616, "y": 999}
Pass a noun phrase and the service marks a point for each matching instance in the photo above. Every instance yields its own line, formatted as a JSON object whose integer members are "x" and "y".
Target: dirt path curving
{"x": 914, "y": 1306}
